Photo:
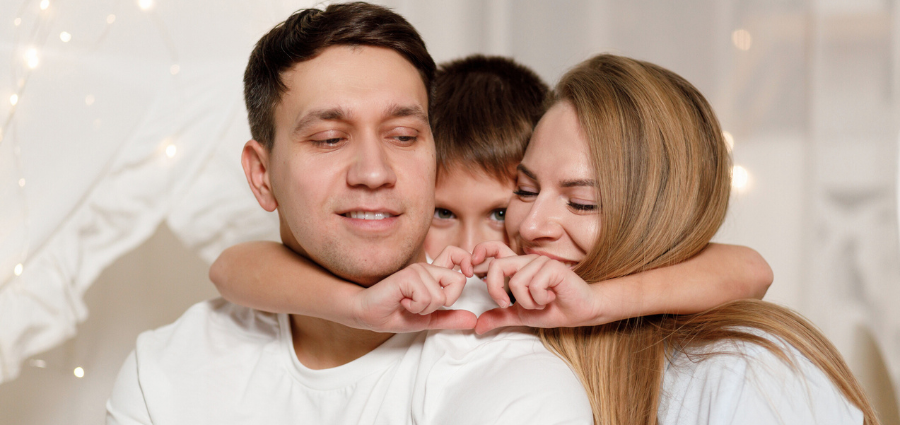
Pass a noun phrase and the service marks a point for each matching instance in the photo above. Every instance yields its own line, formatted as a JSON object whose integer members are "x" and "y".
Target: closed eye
{"x": 583, "y": 207}
{"x": 522, "y": 193}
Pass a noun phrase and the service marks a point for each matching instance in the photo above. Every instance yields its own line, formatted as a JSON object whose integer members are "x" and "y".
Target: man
{"x": 337, "y": 103}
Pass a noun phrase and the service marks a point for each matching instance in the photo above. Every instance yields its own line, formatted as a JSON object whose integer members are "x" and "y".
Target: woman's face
{"x": 554, "y": 209}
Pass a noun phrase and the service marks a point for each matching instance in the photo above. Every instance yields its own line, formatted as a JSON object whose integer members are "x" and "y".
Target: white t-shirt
{"x": 750, "y": 385}
{"x": 225, "y": 364}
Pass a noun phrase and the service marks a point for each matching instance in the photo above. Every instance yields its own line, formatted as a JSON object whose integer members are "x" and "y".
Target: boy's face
{"x": 470, "y": 208}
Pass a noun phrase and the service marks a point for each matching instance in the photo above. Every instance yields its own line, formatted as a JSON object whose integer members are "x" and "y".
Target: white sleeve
{"x": 126, "y": 405}
{"x": 753, "y": 387}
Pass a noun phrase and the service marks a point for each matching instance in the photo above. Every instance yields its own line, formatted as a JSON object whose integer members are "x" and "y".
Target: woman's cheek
{"x": 515, "y": 213}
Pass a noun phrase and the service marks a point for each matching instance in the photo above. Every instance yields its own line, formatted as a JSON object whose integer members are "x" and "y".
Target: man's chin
{"x": 369, "y": 270}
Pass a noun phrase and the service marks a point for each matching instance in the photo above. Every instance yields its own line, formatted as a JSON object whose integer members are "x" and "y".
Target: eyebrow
{"x": 530, "y": 174}
{"x": 565, "y": 183}
{"x": 338, "y": 114}
{"x": 415, "y": 111}
{"x": 578, "y": 183}
{"x": 330, "y": 114}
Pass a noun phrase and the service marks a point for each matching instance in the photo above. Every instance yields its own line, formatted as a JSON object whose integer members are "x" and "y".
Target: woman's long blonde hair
{"x": 664, "y": 177}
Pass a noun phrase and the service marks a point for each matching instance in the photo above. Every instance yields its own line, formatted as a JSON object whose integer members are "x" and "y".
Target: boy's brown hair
{"x": 483, "y": 111}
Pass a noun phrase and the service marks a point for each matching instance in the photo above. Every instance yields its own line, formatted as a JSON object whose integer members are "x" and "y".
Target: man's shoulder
{"x": 504, "y": 376}
{"x": 209, "y": 325}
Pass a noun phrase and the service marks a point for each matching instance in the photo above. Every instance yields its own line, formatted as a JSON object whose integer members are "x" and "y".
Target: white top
{"x": 750, "y": 385}
{"x": 225, "y": 364}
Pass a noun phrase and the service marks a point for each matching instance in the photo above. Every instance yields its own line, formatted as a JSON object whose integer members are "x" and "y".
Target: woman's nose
{"x": 541, "y": 222}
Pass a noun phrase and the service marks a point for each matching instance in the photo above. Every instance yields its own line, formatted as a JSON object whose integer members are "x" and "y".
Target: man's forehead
{"x": 344, "y": 83}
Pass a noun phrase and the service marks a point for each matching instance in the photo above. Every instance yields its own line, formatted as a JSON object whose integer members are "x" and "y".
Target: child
{"x": 482, "y": 114}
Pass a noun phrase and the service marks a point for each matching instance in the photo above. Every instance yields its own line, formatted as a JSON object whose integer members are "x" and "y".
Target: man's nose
{"x": 371, "y": 166}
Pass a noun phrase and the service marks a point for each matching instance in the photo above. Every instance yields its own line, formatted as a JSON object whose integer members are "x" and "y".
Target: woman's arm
{"x": 549, "y": 294}
{"x": 718, "y": 274}
{"x": 268, "y": 276}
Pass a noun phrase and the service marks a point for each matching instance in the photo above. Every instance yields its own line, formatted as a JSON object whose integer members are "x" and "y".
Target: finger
{"x": 437, "y": 298}
{"x": 497, "y": 318}
{"x": 520, "y": 283}
{"x": 453, "y": 256}
{"x": 451, "y": 281}
{"x": 482, "y": 269}
{"x": 452, "y": 319}
{"x": 545, "y": 281}
{"x": 416, "y": 298}
{"x": 491, "y": 249}
{"x": 496, "y": 279}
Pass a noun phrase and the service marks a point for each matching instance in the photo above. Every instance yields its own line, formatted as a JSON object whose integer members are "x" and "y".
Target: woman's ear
{"x": 255, "y": 160}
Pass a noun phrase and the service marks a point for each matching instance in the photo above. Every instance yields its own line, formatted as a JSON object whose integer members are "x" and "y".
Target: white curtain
{"x": 132, "y": 115}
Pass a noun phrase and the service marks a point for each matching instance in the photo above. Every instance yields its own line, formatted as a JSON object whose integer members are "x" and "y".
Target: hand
{"x": 548, "y": 295}
{"x": 482, "y": 256}
{"x": 408, "y": 300}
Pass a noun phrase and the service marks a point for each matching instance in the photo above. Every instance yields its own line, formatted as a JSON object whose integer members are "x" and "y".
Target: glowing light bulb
{"x": 31, "y": 58}
{"x": 729, "y": 140}
{"x": 742, "y": 39}
{"x": 171, "y": 150}
{"x": 45, "y": 4}
{"x": 79, "y": 372}
{"x": 19, "y": 269}
{"x": 740, "y": 178}
{"x": 89, "y": 100}
{"x": 145, "y": 4}
{"x": 14, "y": 99}
{"x": 174, "y": 69}
{"x": 22, "y": 182}
{"x": 65, "y": 37}
{"x": 17, "y": 21}
{"x": 110, "y": 18}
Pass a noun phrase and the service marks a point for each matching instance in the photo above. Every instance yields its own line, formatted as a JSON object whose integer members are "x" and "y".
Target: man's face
{"x": 352, "y": 168}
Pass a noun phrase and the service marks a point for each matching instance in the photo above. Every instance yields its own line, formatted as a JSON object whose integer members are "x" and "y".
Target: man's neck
{"x": 321, "y": 344}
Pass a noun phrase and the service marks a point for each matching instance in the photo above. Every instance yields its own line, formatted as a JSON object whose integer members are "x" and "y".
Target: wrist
{"x": 614, "y": 299}
{"x": 346, "y": 308}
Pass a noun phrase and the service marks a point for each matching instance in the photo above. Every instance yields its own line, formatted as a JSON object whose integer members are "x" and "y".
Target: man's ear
{"x": 255, "y": 159}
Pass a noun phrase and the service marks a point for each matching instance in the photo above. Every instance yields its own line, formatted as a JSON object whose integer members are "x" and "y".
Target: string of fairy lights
{"x": 34, "y": 25}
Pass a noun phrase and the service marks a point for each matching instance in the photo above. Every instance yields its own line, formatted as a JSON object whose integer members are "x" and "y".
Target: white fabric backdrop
{"x": 809, "y": 91}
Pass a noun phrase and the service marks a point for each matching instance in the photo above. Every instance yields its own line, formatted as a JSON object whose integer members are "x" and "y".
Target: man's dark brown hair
{"x": 304, "y": 35}
{"x": 483, "y": 111}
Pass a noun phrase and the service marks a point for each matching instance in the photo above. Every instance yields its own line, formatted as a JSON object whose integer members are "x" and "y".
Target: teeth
{"x": 365, "y": 215}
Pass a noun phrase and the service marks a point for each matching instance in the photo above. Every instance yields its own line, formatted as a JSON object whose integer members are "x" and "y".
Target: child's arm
{"x": 268, "y": 276}
{"x": 549, "y": 294}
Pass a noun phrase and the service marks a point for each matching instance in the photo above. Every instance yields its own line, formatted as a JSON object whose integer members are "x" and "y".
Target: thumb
{"x": 452, "y": 319}
{"x": 497, "y": 318}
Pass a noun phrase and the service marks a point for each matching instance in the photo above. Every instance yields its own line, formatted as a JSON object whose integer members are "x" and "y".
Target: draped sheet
{"x": 136, "y": 119}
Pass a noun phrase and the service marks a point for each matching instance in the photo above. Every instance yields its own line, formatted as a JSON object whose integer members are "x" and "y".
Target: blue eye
{"x": 499, "y": 214}
{"x": 443, "y": 214}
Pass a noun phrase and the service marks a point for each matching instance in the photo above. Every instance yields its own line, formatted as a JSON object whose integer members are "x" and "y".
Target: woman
{"x": 628, "y": 171}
